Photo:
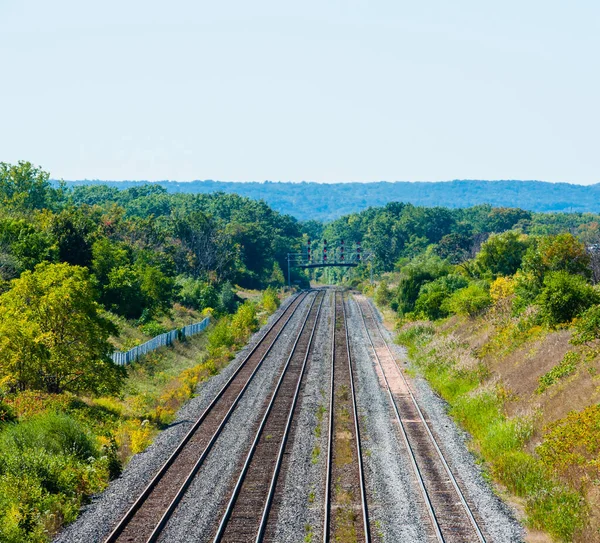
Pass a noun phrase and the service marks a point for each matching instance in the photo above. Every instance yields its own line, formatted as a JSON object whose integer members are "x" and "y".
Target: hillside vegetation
{"x": 328, "y": 201}
{"x": 78, "y": 281}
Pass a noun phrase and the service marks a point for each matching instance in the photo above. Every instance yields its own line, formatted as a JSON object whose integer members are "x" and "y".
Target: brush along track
{"x": 346, "y": 516}
{"x": 451, "y": 517}
{"x": 150, "y": 512}
{"x": 246, "y": 516}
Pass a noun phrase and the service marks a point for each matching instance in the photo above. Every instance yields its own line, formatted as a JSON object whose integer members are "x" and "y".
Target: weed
{"x": 564, "y": 368}
{"x": 315, "y": 454}
{"x": 308, "y": 533}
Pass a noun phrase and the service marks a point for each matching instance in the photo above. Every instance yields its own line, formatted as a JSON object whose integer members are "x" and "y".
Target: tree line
{"x": 70, "y": 258}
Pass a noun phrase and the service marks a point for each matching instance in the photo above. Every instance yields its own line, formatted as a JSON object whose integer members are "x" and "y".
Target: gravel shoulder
{"x": 498, "y": 519}
{"x": 99, "y": 517}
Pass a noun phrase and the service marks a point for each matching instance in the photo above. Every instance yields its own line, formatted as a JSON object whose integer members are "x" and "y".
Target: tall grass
{"x": 550, "y": 504}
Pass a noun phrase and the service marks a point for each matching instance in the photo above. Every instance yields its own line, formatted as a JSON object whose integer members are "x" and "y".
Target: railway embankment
{"x": 528, "y": 397}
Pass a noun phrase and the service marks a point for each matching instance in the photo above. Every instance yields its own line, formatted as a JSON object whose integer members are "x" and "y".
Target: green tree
{"x": 564, "y": 296}
{"x": 383, "y": 294}
{"x": 562, "y": 252}
{"x": 52, "y": 334}
{"x": 24, "y": 187}
{"x": 502, "y": 254}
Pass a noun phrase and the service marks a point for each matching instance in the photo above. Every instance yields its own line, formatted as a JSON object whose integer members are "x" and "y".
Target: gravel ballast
{"x": 101, "y": 515}
{"x": 300, "y": 492}
{"x": 200, "y": 511}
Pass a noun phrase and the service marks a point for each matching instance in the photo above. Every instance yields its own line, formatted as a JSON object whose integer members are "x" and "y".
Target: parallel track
{"x": 147, "y": 517}
{"x": 346, "y": 516}
{"x": 246, "y": 516}
{"x": 451, "y": 517}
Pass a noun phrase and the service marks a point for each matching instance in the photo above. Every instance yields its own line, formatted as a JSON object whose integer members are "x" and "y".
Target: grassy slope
{"x": 531, "y": 409}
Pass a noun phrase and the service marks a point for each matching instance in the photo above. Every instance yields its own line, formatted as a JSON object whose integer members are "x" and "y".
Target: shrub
{"x": 432, "y": 296}
{"x": 244, "y": 322}
{"x": 220, "y": 336}
{"x": 7, "y": 413}
{"x": 52, "y": 432}
{"x": 195, "y": 293}
{"x": 49, "y": 465}
{"x": 564, "y": 368}
{"x": 469, "y": 301}
{"x": 587, "y": 327}
{"x": 383, "y": 294}
{"x": 153, "y": 329}
{"x": 270, "y": 301}
{"x": 564, "y": 296}
{"x": 571, "y": 446}
{"x": 227, "y": 299}
{"x": 420, "y": 270}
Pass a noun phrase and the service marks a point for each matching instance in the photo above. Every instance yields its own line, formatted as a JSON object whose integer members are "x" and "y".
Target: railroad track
{"x": 247, "y": 513}
{"x": 346, "y": 515}
{"x": 149, "y": 514}
{"x": 451, "y": 517}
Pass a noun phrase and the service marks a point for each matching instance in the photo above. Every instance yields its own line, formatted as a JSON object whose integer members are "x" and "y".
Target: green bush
{"x": 49, "y": 465}
{"x": 587, "y": 326}
{"x": 7, "y": 413}
{"x": 195, "y": 293}
{"x": 566, "y": 367}
{"x": 564, "y": 297}
{"x": 469, "y": 301}
{"x": 153, "y": 329}
{"x": 420, "y": 270}
{"x": 270, "y": 301}
{"x": 221, "y": 335}
{"x": 432, "y": 296}
{"x": 227, "y": 299}
{"x": 383, "y": 294}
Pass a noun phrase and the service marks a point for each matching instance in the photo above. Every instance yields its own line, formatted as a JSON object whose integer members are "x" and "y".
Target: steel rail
{"x": 407, "y": 444}
{"x": 231, "y": 504}
{"x": 451, "y": 477}
{"x": 363, "y": 493}
{"x": 269, "y": 503}
{"x": 365, "y": 516}
{"x": 330, "y": 432}
{"x": 114, "y": 535}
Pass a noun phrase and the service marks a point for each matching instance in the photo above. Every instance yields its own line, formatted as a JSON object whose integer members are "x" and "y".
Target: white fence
{"x": 159, "y": 341}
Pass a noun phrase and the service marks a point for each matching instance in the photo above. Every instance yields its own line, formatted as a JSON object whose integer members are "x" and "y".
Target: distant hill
{"x": 325, "y": 202}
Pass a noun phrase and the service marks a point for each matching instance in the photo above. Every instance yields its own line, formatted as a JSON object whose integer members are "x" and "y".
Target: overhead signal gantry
{"x": 330, "y": 256}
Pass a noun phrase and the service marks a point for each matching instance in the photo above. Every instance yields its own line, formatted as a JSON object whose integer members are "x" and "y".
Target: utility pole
{"x": 289, "y": 276}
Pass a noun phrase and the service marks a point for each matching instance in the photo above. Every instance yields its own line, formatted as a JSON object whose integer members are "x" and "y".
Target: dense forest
{"x": 328, "y": 201}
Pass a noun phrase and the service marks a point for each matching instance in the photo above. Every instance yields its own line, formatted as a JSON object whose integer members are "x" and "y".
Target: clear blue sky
{"x": 305, "y": 90}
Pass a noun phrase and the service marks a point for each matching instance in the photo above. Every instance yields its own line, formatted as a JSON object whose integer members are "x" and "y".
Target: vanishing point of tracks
{"x": 147, "y": 517}
{"x": 451, "y": 516}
